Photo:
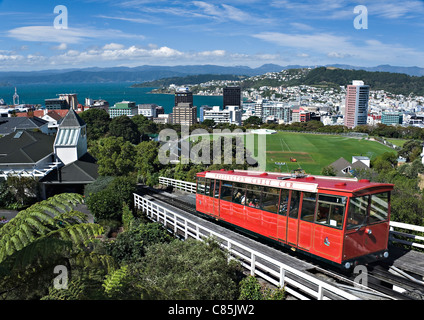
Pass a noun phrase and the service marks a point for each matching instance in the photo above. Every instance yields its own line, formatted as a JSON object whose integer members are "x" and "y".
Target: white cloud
{"x": 62, "y": 46}
{"x": 64, "y": 36}
{"x": 369, "y": 51}
{"x": 113, "y": 46}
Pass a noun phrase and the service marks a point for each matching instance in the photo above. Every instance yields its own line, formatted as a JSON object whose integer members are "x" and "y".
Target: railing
{"x": 399, "y": 232}
{"x": 295, "y": 282}
{"x": 179, "y": 184}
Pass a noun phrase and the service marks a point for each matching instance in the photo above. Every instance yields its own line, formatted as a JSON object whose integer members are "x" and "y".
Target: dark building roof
{"x": 84, "y": 170}
{"x": 72, "y": 119}
{"x": 11, "y": 124}
{"x": 343, "y": 167}
{"x": 25, "y": 147}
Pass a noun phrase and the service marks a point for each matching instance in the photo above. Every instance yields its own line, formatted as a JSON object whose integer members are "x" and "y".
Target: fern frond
{"x": 114, "y": 282}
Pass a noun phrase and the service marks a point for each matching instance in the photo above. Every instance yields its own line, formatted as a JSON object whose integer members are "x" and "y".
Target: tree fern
{"x": 42, "y": 219}
{"x": 115, "y": 281}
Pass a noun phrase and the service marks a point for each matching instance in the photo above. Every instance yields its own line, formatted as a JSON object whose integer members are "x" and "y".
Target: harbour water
{"x": 111, "y": 92}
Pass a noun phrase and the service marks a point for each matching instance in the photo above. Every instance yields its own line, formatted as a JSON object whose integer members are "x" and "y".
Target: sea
{"x": 111, "y": 92}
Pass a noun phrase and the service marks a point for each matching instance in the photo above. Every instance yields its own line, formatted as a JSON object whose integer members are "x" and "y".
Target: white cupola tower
{"x": 71, "y": 139}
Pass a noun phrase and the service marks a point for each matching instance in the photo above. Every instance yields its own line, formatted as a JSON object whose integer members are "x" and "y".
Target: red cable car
{"x": 340, "y": 220}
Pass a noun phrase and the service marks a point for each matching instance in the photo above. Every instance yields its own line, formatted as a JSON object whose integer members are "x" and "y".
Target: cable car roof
{"x": 301, "y": 182}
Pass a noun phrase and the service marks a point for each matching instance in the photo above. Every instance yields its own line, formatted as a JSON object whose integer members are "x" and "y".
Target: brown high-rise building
{"x": 232, "y": 96}
{"x": 184, "y": 114}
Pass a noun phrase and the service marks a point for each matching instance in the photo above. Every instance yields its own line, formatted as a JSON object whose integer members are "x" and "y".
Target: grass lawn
{"x": 314, "y": 151}
{"x": 397, "y": 142}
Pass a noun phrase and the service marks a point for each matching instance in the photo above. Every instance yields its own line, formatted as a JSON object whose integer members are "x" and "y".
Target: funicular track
{"x": 382, "y": 281}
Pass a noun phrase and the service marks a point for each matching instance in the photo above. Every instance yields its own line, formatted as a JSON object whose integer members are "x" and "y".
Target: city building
{"x": 184, "y": 114}
{"x": 202, "y": 111}
{"x": 124, "y": 108}
{"x": 271, "y": 111}
{"x": 356, "y": 104}
{"x": 183, "y": 95}
{"x": 300, "y": 115}
{"x": 65, "y": 101}
{"x": 148, "y": 110}
{"x": 391, "y": 118}
{"x": 71, "y": 99}
{"x": 97, "y": 104}
{"x": 232, "y": 96}
{"x": 56, "y": 104}
{"x": 231, "y": 115}
{"x": 163, "y": 119}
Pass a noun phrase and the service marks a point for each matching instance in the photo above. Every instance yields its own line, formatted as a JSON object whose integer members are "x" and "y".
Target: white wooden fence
{"x": 297, "y": 283}
{"x": 179, "y": 184}
{"x": 400, "y": 230}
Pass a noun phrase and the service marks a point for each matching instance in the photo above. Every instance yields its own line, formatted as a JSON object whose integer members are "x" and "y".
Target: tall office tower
{"x": 356, "y": 107}
{"x": 183, "y": 95}
{"x": 232, "y": 96}
{"x": 184, "y": 114}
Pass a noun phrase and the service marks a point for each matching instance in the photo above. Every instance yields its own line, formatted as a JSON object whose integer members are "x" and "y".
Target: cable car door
{"x": 214, "y": 198}
{"x": 293, "y": 219}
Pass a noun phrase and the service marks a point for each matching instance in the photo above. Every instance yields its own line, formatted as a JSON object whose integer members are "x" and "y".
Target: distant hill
{"x": 124, "y": 74}
{"x": 397, "y": 83}
{"x": 188, "y": 80}
{"x": 149, "y": 73}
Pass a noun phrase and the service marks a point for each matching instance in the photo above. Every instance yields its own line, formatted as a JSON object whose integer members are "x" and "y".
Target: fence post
{"x": 252, "y": 264}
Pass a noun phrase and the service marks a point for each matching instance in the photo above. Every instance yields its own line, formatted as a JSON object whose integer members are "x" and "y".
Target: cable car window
{"x": 239, "y": 192}
{"x": 226, "y": 188}
{"x": 207, "y": 186}
{"x": 201, "y": 185}
{"x": 253, "y": 196}
{"x": 284, "y": 202}
{"x": 294, "y": 204}
{"x": 379, "y": 209}
{"x": 270, "y": 198}
{"x": 308, "y": 206}
{"x": 330, "y": 210}
{"x": 215, "y": 192}
{"x": 358, "y": 212}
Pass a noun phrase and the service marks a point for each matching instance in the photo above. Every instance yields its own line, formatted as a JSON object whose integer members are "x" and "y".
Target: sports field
{"x": 314, "y": 151}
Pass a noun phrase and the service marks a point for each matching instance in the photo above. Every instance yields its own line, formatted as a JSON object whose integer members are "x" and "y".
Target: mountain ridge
{"x": 146, "y": 73}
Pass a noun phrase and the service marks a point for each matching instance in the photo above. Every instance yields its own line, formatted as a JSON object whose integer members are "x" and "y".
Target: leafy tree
{"x": 328, "y": 171}
{"x": 147, "y": 162}
{"x": 144, "y": 126}
{"x": 411, "y": 150}
{"x": 18, "y": 192}
{"x": 209, "y": 123}
{"x": 385, "y": 161}
{"x": 187, "y": 270}
{"x": 107, "y": 203}
{"x": 114, "y": 155}
{"x": 97, "y": 121}
{"x": 124, "y": 127}
{"x": 253, "y": 120}
{"x": 130, "y": 246}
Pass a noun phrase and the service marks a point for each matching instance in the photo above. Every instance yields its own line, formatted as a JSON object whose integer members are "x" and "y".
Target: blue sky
{"x": 131, "y": 33}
